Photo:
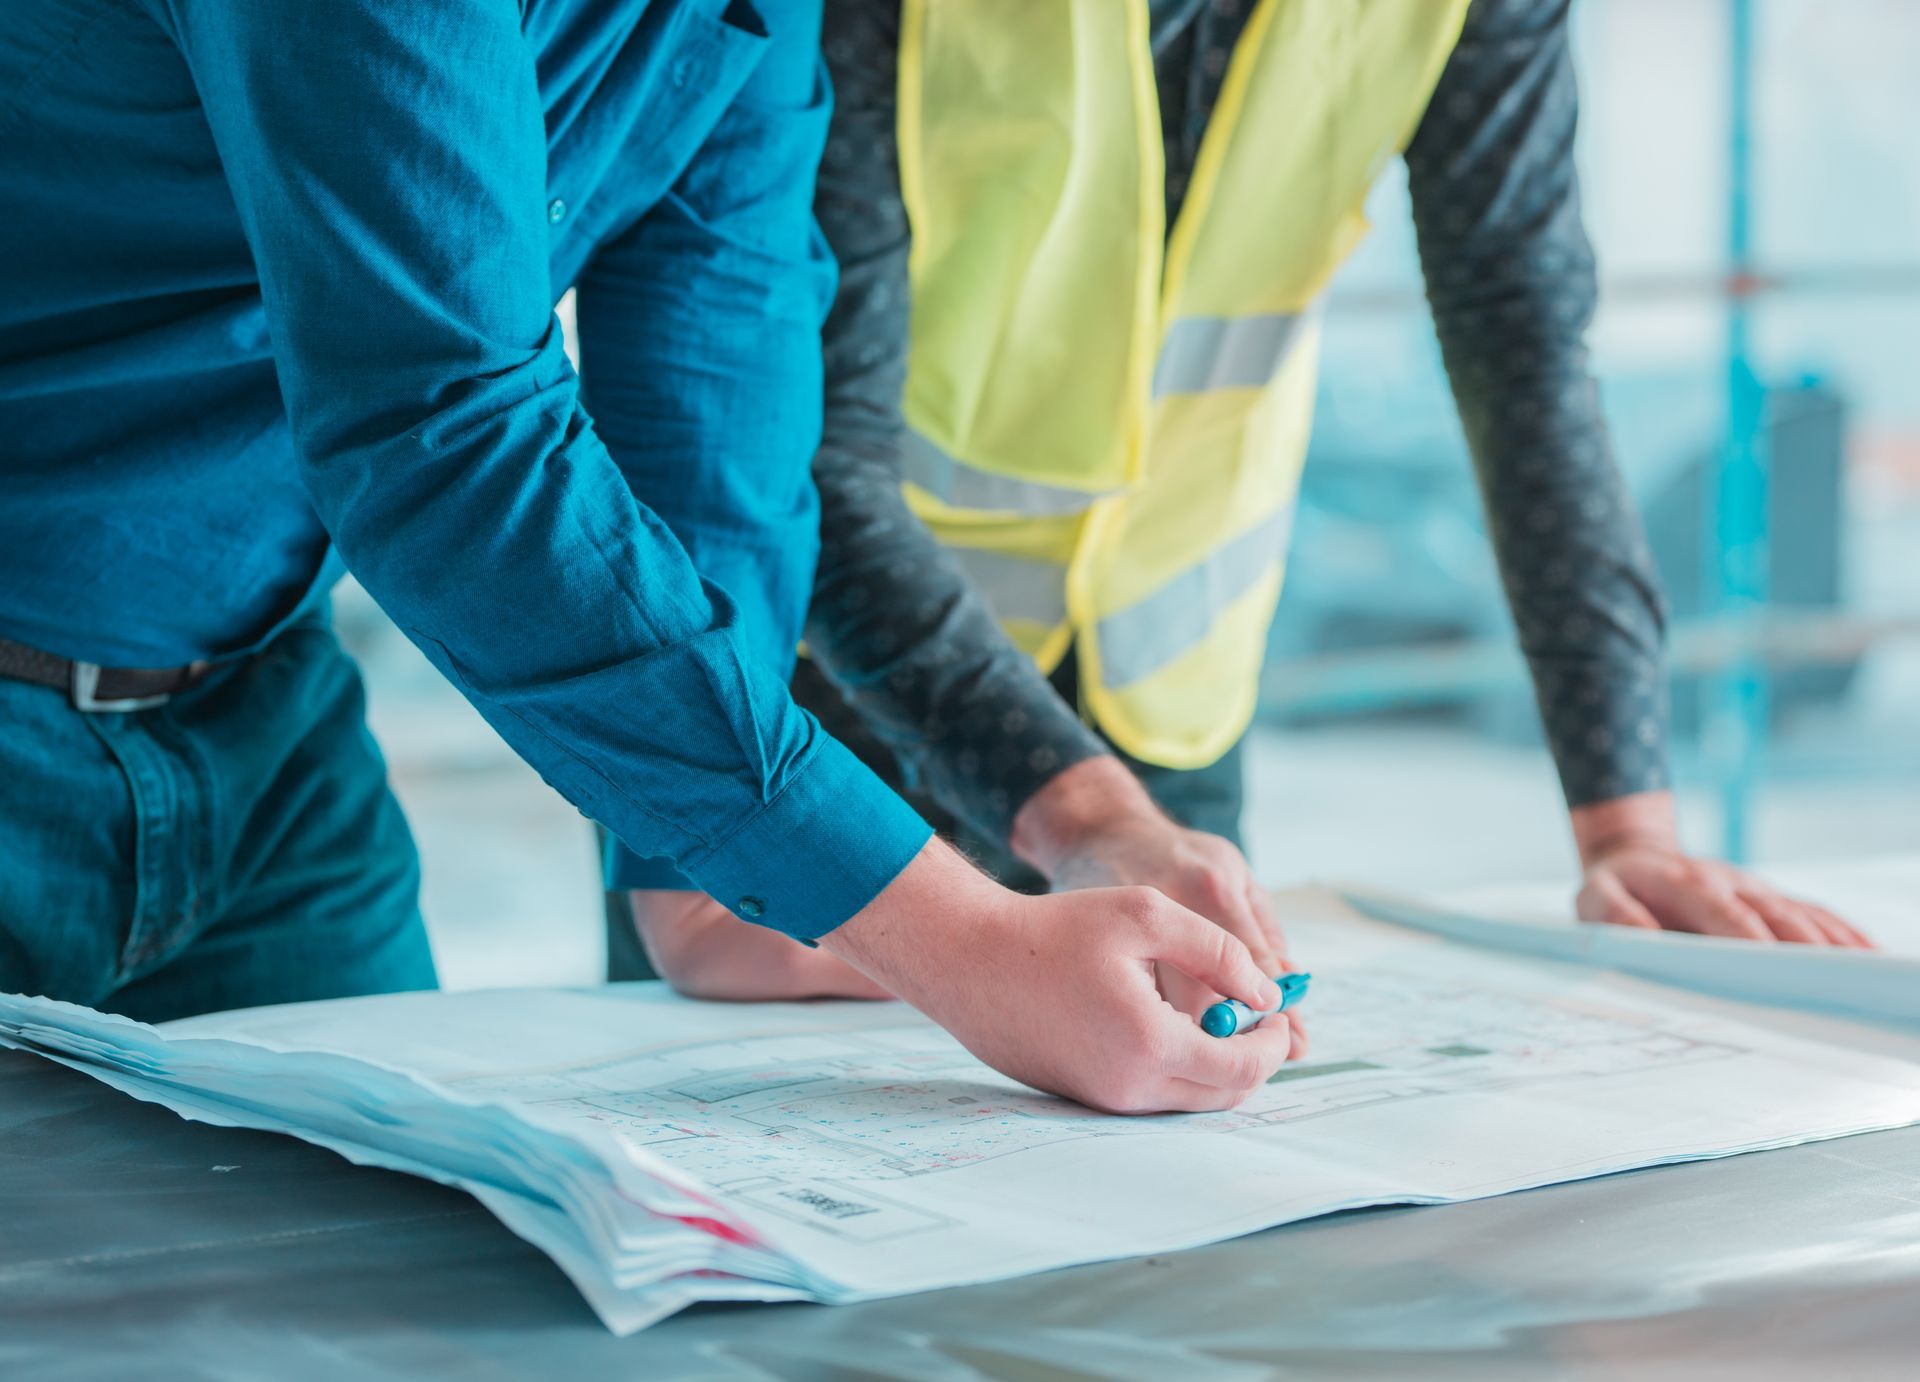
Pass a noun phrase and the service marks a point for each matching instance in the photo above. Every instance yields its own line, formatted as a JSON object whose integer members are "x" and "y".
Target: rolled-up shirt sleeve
{"x": 389, "y": 167}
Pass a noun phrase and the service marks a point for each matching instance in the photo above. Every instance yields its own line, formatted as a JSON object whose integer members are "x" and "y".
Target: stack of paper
{"x": 664, "y": 1151}
{"x": 638, "y": 1237}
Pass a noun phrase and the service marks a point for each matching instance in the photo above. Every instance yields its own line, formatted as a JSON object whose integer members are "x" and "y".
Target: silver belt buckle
{"x": 86, "y": 680}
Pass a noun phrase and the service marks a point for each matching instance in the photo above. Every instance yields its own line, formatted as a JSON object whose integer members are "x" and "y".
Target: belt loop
{"x": 86, "y": 680}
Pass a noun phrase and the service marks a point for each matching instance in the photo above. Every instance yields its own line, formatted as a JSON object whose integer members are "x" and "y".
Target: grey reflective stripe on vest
{"x": 1017, "y": 588}
{"x": 954, "y": 482}
{"x": 1149, "y": 634}
{"x": 1202, "y": 354}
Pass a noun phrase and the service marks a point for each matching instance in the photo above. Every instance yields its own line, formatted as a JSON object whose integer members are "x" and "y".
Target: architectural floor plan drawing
{"x": 665, "y": 1151}
{"x": 901, "y": 1099}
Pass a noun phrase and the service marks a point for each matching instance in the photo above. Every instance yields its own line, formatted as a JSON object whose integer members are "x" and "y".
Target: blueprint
{"x": 1880, "y": 986}
{"x": 1880, "y": 896}
{"x": 900, "y": 1100}
{"x": 665, "y": 1151}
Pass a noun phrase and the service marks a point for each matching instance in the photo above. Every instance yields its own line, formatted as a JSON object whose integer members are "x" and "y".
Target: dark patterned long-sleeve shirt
{"x": 1511, "y": 281}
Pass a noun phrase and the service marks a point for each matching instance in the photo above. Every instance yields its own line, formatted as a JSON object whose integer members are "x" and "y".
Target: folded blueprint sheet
{"x": 1881, "y": 986}
{"x": 664, "y": 1151}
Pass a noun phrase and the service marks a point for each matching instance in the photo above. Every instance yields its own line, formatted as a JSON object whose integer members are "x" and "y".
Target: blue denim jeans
{"x": 238, "y": 845}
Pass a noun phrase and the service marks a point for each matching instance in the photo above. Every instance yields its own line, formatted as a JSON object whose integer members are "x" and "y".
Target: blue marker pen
{"x": 1225, "y": 1018}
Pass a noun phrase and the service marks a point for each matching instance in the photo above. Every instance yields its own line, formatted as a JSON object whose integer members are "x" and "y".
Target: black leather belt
{"x": 92, "y": 687}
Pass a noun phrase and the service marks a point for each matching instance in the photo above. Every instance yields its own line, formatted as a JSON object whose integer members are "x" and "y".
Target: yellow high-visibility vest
{"x": 1105, "y": 425}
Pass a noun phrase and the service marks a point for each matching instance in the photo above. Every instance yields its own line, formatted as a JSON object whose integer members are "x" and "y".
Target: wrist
{"x": 1643, "y": 818}
{"x": 939, "y": 895}
{"x": 1075, "y": 806}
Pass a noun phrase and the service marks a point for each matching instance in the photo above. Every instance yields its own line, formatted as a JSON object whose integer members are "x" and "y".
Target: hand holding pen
{"x": 1230, "y": 1015}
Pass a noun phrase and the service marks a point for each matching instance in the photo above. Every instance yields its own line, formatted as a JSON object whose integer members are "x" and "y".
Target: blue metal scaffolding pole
{"x": 1738, "y": 543}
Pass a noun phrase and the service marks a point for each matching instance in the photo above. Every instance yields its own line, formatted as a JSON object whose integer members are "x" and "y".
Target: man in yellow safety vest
{"x": 1114, "y": 222}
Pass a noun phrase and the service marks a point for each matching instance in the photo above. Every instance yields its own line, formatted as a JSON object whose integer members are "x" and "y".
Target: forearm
{"x": 572, "y": 619}
{"x": 1510, "y": 276}
{"x": 894, "y": 621}
{"x": 919, "y": 654}
{"x": 1580, "y": 584}
{"x": 700, "y": 355}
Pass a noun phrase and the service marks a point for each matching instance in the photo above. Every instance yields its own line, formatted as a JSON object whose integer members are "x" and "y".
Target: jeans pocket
{"x": 69, "y": 880}
{"x": 171, "y": 838}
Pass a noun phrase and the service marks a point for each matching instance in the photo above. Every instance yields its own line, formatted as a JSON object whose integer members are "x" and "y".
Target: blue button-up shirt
{"x": 276, "y": 293}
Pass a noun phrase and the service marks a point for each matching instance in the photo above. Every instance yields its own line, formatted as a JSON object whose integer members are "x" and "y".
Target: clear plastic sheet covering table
{"x": 133, "y": 1243}
{"x": 126, "y": 1251}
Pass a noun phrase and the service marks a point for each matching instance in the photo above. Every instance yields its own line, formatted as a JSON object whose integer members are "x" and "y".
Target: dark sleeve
{"x": 1510, "y": 276}
{"x": 895, "y": 623}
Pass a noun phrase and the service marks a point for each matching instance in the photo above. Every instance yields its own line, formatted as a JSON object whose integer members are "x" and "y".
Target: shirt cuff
{"x": 821, "y": 850}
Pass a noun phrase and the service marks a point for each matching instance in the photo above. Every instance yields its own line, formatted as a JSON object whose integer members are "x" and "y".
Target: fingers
{"x": 1188, "y": 1096}
{"x": 1720, "y": 914}
{"x": 1185, "y": 995}
{"x": 1839, "y": 931}
{"x": 1238, "y": 1063}
{"x": 1219, "y": 888}
{"x": 1699, "y": 898}
{"x": 1787, "y": 919}
{"x": 1606, "y": 899}
{"x": 1843, "y": 939}
{"x": 1269, "y": 922}
{"x": 1668, "y": 890}
{"x": 1827, "y": 928}
{"x": 1177, "y": 1068}
{"x": 1240, "y": 919}
{"x": 1300, "y": 1043}
{"x": 1208, "y": 953}
{"x": 1790, "y": 919}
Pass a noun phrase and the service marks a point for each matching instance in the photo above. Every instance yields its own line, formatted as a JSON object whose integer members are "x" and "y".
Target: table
{"x": 133, "y": 1243}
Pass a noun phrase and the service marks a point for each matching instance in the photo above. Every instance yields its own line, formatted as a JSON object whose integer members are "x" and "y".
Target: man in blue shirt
{"x": 276, "y": 291}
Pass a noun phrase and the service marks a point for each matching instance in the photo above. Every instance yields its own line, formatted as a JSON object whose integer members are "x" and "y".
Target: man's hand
{"x": 1638, "y": 875}
{"x": 1058, "y": 991}
{"x": 705, "y": 951}
{"x": 1094, "y": 826}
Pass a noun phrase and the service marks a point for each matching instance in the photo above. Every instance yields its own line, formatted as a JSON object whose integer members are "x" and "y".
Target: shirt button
{"x": 752, "y": 907}
{"x": 556, "y": 211}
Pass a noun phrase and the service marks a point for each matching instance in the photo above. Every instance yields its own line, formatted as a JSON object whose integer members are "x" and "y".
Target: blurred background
{"x": 1751, "y": 176}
